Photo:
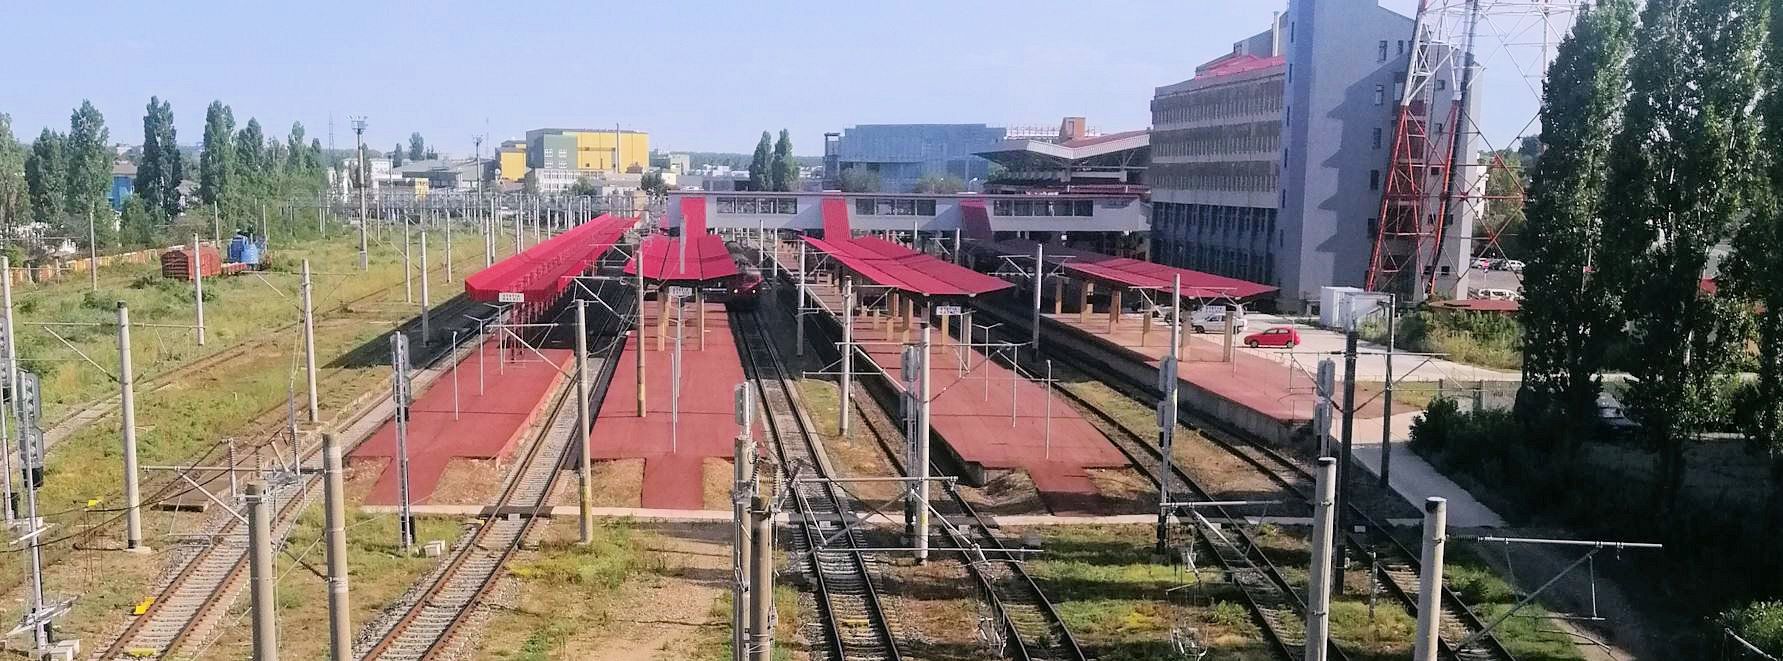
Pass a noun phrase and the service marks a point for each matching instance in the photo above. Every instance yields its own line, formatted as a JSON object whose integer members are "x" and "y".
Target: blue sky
{"x": 696, "y": 75}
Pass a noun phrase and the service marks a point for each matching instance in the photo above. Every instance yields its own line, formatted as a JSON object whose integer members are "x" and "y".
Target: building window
{"x": 1380, "y": 94}
{"x": 1442, "y": 84}
{"x": 1374, "y": 180}
{"x": 1382, "y": 55}
{"x": 1439, "y": 128}
{"x": 1398, "y": 91}
{"x": 1377, "y": 137}
{"x": 1401, "y": 46}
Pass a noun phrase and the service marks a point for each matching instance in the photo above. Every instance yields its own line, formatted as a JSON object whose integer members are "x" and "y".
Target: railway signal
{"x": 399, "y": 399}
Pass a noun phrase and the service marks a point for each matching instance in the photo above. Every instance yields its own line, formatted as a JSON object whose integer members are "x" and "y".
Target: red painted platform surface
{"x": 488, "y": 426}
{"x": 972, "y": 414}
{"x": 674, "y": 461}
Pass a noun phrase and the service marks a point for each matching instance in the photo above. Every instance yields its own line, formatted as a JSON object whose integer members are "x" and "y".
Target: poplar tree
{"x": 417, "y": 147}
{"x": 158, "y": 175}
{"x": 216, "y": 164}
{"x": 88, "y": 175}
{"x": 45, "y": 175}
{"x": 1676, "y": 179}
{"x": 785, "y": 171}
{"x": 1755, "y": 273}
{"x": 250, "y": 161}
{"x": 760, "y": 162}
{"x": 13, "y": 199}
{"x": 396, "y": 156}
{"x": 1564, "y": 321}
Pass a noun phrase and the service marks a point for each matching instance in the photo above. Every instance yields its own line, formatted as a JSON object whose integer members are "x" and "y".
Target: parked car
{"x": 1280, "y": 336}
{"x": 1612, "y": 418}
{"x": 1513, "y": 265}
{"x": 1212, "y": 319}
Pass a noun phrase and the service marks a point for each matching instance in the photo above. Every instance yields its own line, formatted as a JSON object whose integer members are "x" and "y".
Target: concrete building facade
{"x": 1268, "y": 164}
{"x": 588, "y": 149}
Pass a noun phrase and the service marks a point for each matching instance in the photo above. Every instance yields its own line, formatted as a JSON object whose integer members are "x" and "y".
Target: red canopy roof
{"x": 542, "y": 272}
{"x": 1136, "y": 274}
{"x": 891, "y": 265}
{"x": 706, "y": 258}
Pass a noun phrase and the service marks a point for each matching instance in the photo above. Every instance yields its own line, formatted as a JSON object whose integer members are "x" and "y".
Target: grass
{"x": 564, "y": 589}
{"x": 180, "y": 420}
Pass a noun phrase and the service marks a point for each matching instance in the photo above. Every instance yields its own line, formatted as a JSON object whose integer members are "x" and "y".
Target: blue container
{"x": 251, "y": 252}
{"x": 236, "y": 247}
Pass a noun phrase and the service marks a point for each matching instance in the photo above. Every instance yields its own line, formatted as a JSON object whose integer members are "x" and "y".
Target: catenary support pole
{"x": 127, "y": 424}
{"x": 924, "y": 399}
{"x": 408, "y": 266}
{"x": 761, "y": 582}
{"x": 399, "y": 361}
{"x": 1039, "y": 285}
{"x": 1167, "y": 413}
{"x": 1387, "y": 396}
{"x": 10, "y": 367}
{"x": 340, "y": 627}
{"x": 1348, "y": 431}
{"x": 448, "y": 224}
{"x": 426, "y": 296}
{"x": 1318, "y": 591}
{"x": 263, "y": 580}
{"x": 584, "y": 470}
{"x": 306, "y": 288}
{"x": 1436, "y": 523}
{"x": 198, "y": 284}
{"x": 742, "y": 490}
{"x": 638, "y": 328}
{"x": 842, "y": 403}
{"x": 799, "y": 341}
{"x": 92, "y": 251}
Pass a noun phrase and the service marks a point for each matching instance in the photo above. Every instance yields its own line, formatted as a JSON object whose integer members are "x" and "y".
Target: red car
{"x": 1280, "y": 336}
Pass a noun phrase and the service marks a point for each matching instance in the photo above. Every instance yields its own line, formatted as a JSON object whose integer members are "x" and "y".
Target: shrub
{"x": 1760, "y": 623}
{"x": 1432, "y": 430}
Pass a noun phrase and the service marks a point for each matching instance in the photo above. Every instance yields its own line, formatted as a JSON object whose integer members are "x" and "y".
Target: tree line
{"x": 62, "y": 177}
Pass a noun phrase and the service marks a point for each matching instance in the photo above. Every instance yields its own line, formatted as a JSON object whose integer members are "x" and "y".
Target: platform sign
{"x": 947, "y": 310}
{"x": 510, "y": 297}
{"x": 677, "y": 292}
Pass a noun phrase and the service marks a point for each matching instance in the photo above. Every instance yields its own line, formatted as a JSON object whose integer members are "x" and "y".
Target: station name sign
{"x": 510, "y": 297}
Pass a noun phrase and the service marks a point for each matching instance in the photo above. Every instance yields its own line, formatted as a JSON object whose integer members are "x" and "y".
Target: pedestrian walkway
{"x": 1415, "y": 479}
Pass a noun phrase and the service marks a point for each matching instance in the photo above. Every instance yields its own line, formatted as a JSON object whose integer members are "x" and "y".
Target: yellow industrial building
{"x": 587, "y": 149}
{"x": 510, "y": 160}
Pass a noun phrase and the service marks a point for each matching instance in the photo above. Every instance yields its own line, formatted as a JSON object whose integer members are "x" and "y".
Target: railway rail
{"x": 1032, "y": 627}
{"x": 203, "y": 584}
{"x": 1396, "y": 566}
{"x": 853, "y": 618}
{"x": 426, "y": 627}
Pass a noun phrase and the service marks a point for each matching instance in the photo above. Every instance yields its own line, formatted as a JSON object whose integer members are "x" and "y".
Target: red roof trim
{"x": 1137, "y": 274}
{"x": 541, "y": 273}
{"x": 891, "y": 265}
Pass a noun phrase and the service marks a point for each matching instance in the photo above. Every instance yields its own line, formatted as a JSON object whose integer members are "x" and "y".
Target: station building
{"x": 1073, "y": 160}
{"x": 1268, "y": 164}
{"x": 902, "y": 154}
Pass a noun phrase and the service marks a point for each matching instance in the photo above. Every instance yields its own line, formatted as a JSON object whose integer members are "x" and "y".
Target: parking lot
{"x": 1371, "y": 363}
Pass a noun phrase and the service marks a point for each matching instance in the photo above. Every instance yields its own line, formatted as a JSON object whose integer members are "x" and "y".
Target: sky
{"x": 702, "y": 76}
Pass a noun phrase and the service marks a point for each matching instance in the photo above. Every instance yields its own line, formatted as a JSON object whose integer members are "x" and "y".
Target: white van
{"x": 1212, "y": 319}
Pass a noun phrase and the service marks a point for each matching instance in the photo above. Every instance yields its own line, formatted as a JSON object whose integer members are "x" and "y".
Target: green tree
{"x": 1564, "y": 320}
{"x": 784, "y": 171}
{"x": 859, "y": 180}
{"x": 1678, "y": 168}
{"x": 250, "y": 163}
{"x": 932, "y": 183}
{"x": 583, "y": 186}
{"x": 417, "y": 147}
{"x": 89, "y": 162}
{"x": 1754, "y": 272}
{"x": 13, "y": 196}
{"x": 760, "y": 162}
{"x": 45, "y": 176}
{"x": 216, "y": 164}
{"x": 653, "y": 184}
{"x": 137, "y": 223}
{"x": 396, "y": 156}
{"x": 158, "y": 173}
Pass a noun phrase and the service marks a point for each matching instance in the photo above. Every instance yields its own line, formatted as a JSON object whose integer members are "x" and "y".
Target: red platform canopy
{"x": 705, "y": 258}
{"x": 542, "y": 272}
{"x": 1134, "y": 273}
{"x": 891, "y": 265}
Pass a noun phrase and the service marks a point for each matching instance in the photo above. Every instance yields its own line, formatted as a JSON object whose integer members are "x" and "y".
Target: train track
{"x": 853, "y": 619}
{"x": 1396, "y": 566}
{"x": 1032, "y": 627}
{"x": 428, "y": 625}
{"x": 204, "y": 584}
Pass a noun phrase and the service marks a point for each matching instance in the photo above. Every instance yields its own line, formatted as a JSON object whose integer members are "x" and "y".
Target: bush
{"x": 1478, "y": 338}
{"x": 1760, "y": 623}
{"x": 1432, "y": 430}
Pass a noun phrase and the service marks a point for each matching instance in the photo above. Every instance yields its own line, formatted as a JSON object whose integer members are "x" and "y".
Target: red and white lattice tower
{"x": 1425, "y": 241}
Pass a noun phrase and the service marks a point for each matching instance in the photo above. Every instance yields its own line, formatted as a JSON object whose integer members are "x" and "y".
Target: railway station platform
{"x": 490, "y": 422}
{"x": 674, "y": 455}
{"x": 985, "y": 415}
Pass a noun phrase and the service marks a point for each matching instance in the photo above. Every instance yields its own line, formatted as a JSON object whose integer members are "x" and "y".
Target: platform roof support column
{"x": 893, "y": 309}
{"x": 662, "y": 318}
{"x": 1083, "y": 302}
{"x": 945, "y": 329}
{"x": 1058, "y": 296}
{"x": 909, "y": 318}
{"x": 699, "y": 301}
{"x": 1114, "y": 309}
{"x": 1145, "y": 328}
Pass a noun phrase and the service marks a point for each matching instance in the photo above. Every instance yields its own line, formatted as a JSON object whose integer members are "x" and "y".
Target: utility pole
{"x": 408, "y": 266}
{"x": 9, "y": 371}
{"x": 923, "y": 397}
{"x": 448, "y": 246}
{"x": 584, "y": 471}
{"x": 800, "y": 311}
{"x": 742, "y": 491}
{"x": 1436, "y": 535}
{"x": 761, "y": 582}
{"x": 309, "y": 341}
{"x": 842, "y": 403}
{"x": 1348, "y": 431}
{"x": 489, "y": 233}
{"x": 638, "y": 328}
{"x": 92, "y": 251}
{"x": 426, "y": 296}
{"x": 399, "y": 360}
{"x": 261, "y": 574}
{"x": 364, "y": 186}
{"x": 198, "y": 284}
{"x": 1167, "y": 412}
{"x": 127, "y": 413}
{"x": 340, "y": 628}
{"x": 1318, "y": 591}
